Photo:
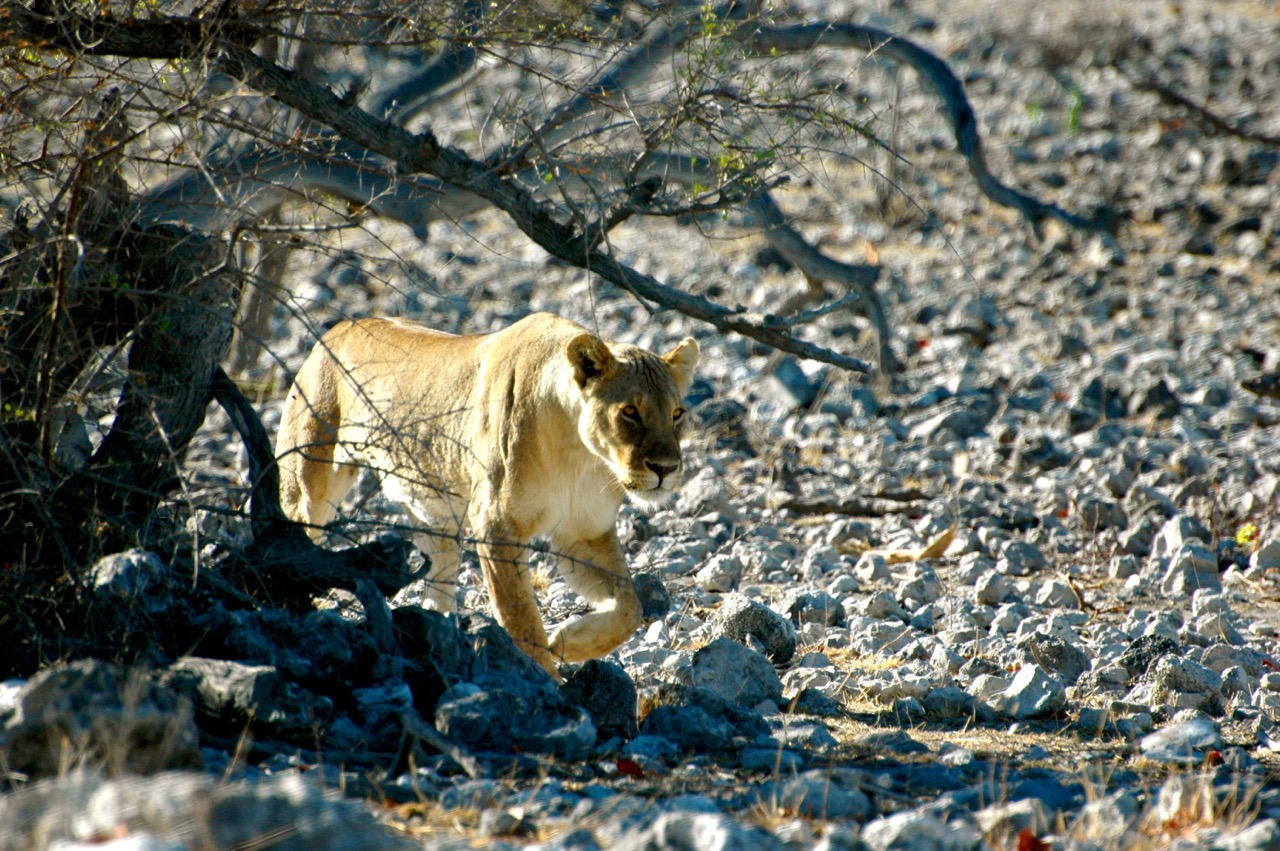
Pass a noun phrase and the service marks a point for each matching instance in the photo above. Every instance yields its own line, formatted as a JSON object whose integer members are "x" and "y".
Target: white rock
{"x": 843, "y": 585}
{"x": 1266, "y": 557}
{"x": 1216, "y": 628}
{"x": 1193, "y": 567}
{"x": 893, "y": 683}
{"x": 881, "y": 605}
{"x": 1057, "y": 594}
{"x": 1110, "y": 819}
{"x": 696, "y": 830}
{"x": 1174, "y": 674}
{"x": 1018, "y": 558}
{"x": 1031, "y": 694}
{"x": 1205, "y": 602}
{"x": 721, "y": 574}
{"x": 735, "y": 672}
{"x": 919, "y": 831}
{"x": 1176, "y": 533}
{"x": 1236, "y": 680}
{"x": 821, "y": 793}
{"x": 985, "y": 686}
{"x": 1008, "y": 820}
{"x": 872, "y": 568}
{"x": 943, "y": 658}
{"x": 1183, "y": 743}
{"x": 11, "y": 700}
{"x": 920, "y": 585}
{"x": 991, "y": 588}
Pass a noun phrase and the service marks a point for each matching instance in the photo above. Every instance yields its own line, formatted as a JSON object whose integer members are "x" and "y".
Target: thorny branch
{"x": 412, "y": 153}
{"x": 496, "y": 180}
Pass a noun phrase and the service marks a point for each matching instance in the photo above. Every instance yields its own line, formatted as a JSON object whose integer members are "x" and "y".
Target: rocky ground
{"x": 1023, "y": 594}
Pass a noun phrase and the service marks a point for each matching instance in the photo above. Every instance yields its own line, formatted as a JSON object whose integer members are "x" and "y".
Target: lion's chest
{"x": 583, "y": 504}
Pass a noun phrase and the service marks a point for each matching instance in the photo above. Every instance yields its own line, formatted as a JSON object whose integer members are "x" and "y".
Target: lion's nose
{"x": 663, "y": 470}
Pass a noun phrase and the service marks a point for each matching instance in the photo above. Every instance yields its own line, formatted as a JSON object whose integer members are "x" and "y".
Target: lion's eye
{"x": 631, "y": 413}
{"x": 677, "y": 414}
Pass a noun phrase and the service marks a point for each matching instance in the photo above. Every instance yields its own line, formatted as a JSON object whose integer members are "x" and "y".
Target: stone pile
{"x": 1092, "y": 662}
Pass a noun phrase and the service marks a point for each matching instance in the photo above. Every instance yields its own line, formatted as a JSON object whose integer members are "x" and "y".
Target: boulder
{"x": 744, "y": 620}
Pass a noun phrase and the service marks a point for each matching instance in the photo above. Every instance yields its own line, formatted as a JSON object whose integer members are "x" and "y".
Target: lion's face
{"x": 632, "y": 417}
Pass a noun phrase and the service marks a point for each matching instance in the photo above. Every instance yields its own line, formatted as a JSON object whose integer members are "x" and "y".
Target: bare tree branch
{"x": 456, "y": 56}
{"x": 803, "y": 38}
{"x": 576, "y": 241}
{"x": 414, "y": 153}
{"x": 282, "y": 558}
{"x": 252, "y": 184}
{"x": 611, "y": 85}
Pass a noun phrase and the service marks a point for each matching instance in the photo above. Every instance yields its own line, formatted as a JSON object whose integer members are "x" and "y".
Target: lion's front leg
{"x": 508, "y": 577}
{"x": 597, "y": 569}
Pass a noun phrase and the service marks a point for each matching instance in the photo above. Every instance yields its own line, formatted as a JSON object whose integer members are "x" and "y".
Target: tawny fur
{"x": 539, "y": 429}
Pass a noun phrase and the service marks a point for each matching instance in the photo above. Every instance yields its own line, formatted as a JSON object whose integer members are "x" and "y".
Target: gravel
{"x": 1096, "y": 649}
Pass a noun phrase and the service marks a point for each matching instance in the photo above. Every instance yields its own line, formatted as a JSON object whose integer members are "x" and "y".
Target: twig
{"x": 624, "y": 207}
{"x": 416, "y": 728}
{"x": 1147, "y": 82}
{"x": 264, "y": 475}
{"x": 457, "y": 56}
{"x": 810, "y": 505}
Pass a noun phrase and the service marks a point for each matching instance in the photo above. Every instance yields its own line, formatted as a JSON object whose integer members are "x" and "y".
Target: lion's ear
{"x": 590, "y": 358}
{"x": 682, "y": 359}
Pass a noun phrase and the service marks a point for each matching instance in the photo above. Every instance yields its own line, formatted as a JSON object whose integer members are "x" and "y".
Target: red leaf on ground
{"x": 1028, "y": 841}
{"x": 629, "y": 767}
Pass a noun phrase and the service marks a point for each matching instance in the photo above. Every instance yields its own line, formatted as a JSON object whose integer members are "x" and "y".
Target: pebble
{"x": 1057, "y": 594}
{"x": 1192, "y": 568}
{"x": 135, "y": 579}
{"x": 776, "y": 761}
{"x": 741, "y": 618}
{"x": 985, "y": 686}
{"x": 1064, "y": 660}
{"x": 922, "y": 831}
{"x": 813, "y": 607}
{"x": 1182, "y": 743}
{"x": 881, "y": 605}
{"x": 1186, "y": 685}
{"x": 735, "y": 672}
{"x": 942, "y": 704}
{"x": 821, "y": 794}
{"x": 696, "y": 830}
{"x": 1176, "y": 533}
{"x": 1018, "y": 558}
{"x": 1265, "y": 557}
{"x": 991, "y": 588}
{"x": 721, "y": 574}
{"x": 872, "y": 567}
{"x": 1081, "y": 420}
{"x": 1013, "y": 818}
{"x": 1032, "y": 693}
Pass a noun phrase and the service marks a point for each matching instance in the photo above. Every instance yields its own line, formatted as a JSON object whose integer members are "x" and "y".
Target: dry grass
{"x": 1174, "y": 804}
{"x": 426, "y": 817}
{"x": 1185, "y": 807}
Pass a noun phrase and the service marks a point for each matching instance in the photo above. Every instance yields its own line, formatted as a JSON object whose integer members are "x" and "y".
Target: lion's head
{"x": 632, "y": 417}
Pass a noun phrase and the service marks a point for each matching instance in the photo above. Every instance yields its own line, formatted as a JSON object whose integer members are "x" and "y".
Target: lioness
{"x": 539, "y": 429}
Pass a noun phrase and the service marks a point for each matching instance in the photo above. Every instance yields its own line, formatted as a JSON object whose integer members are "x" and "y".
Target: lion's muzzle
{"x": 661, "y": 470}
